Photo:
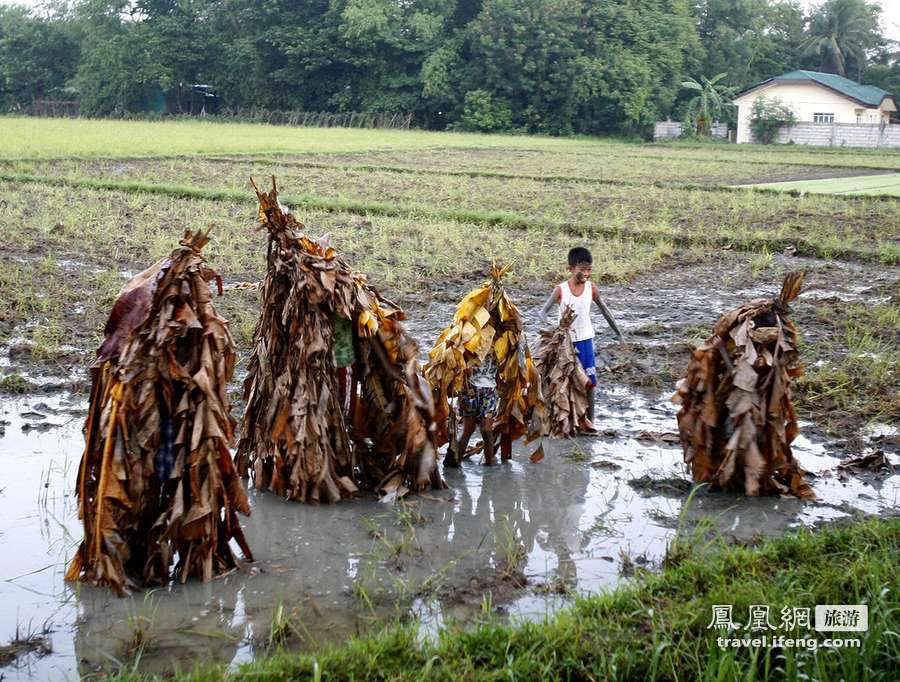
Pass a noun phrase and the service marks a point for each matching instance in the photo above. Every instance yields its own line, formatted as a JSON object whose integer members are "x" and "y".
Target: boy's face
{"x": 581, "y": 272}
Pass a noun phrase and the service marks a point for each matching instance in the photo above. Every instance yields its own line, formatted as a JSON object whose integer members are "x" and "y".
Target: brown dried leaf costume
{"x": 156, "y": 476}
{"x": 563, "y": 380}
{"x": 736, "y": 419}
{"x": 294, "y": 435}
{"x": 487, "y": 321}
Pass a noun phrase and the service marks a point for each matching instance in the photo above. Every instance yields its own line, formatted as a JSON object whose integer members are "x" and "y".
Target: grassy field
{"x": 886, "y": 185}
{"x": 656, "y": 629}
{"x": 63, "y": 138}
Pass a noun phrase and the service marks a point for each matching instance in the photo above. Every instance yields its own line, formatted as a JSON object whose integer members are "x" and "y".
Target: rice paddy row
{"x": 513, "y": 165}
{"x": 822, "y": 227}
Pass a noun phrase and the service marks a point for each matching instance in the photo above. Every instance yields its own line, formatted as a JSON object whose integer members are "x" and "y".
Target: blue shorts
{"x": 585, "y": 350}
{"x": 478, "y": 402}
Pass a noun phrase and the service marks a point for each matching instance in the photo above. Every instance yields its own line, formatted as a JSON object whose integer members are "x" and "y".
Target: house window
{"x": 823, "y": 118}
{"x": 859, "y": 115}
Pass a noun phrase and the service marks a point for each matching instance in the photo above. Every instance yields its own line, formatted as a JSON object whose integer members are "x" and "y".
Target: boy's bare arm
{"x": 610, "y": 320}
{"x": 552, "y": 300}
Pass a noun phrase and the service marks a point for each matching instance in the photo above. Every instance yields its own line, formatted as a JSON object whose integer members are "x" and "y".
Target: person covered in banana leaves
{"x": 156, "y": 486}
{"x": 481, "y": 361}
{"x": 477, "y": 406}
{"x": 579, "y": 293}
{"x": 737, "y": 419}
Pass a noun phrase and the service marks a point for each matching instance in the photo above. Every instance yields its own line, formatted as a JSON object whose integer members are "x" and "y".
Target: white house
{"x": 818, "y": 97}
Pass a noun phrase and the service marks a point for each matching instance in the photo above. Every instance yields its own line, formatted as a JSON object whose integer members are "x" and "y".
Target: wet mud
{"x": 522, "y": 538}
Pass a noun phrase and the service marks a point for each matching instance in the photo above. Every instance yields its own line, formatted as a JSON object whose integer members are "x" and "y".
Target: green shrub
{"x": 767, "y": 116}
{"x": 483, "y": 113}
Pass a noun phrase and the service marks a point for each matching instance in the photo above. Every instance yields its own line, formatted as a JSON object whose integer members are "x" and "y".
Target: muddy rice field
{"x": 674, "y": 244}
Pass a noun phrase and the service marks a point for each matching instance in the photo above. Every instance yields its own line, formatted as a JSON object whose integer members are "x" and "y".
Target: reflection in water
{"x": 339, "y": 570}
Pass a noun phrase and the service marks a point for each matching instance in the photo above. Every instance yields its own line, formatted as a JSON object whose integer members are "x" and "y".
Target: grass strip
{"x": 653, "y": 629}
{"x": 764, "y": 188}
{"x": 413, "y": 170}
{"x": 618, "y": 149}
{"x": 259, "y": 158}
{"x": 509, "y": 220}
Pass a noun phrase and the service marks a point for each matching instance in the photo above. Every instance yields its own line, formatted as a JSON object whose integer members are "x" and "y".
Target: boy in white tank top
{"x": 579, "y": 293}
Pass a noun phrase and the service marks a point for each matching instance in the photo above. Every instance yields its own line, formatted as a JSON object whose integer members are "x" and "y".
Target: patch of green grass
{"x": 653, "y": 629}
{"x": 50, "y": 304}
{"x": 15, "y": 384}
{"x": 286, "y": 626}
{"x": 397, "y": 252}
{"x": 578, "y": 453}
{"x": 510, "y": 552}
{"x": 863, "y": 185}
{"x": 617, "y": 167}
{"x": 61, "y": 137}
{"x": 72, "y": 249}
{"x": 858, "y": 377}
{"x": 889, "y": 253}
{"x": 761, "y": 261}
{"x": 682, "y": 217}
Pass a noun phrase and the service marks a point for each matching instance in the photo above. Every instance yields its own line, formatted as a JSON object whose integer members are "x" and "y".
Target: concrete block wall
{"x": 841, "y": 134}
{"x": 668, "y": 130}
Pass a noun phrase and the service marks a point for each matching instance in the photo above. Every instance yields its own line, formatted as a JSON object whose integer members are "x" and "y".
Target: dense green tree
{"x": 277, "y": 54}
{"x": 750, "y": 40}
{"x": 37, "y": 57}
{"x": 525, "y": 53}
{"x": 563, "y": 66}
{"x": 839, "y": 34}
{"x": 116, "y": 72}
{"x": 633, "y": 62}
{"x": 883, "y": 69}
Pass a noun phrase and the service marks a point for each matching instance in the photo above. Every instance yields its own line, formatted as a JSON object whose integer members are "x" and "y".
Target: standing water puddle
{"x": 572, "y": 518}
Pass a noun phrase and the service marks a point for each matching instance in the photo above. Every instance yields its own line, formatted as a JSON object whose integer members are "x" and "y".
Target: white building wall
{"x": 805, "y": 100}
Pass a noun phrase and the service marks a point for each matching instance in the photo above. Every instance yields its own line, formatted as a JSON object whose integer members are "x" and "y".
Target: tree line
{"x": 541, "y": 66}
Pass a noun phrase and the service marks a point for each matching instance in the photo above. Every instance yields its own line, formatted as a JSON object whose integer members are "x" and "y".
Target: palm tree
{"x": 706, "y": 106}
{"x": 841, "y": 29}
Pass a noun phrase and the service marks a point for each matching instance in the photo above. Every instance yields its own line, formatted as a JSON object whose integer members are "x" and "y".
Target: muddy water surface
{"x": 577, "y": 520}
{"x": 522, "y": 538}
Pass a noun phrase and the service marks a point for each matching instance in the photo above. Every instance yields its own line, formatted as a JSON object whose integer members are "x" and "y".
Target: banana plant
{"x": 707, "y": 105}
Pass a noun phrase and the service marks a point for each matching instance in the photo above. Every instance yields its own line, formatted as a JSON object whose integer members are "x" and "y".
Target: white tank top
{"x": 582, "y": 328}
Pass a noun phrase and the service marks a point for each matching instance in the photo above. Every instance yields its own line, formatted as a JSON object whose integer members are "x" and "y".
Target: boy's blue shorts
{"x": 585, "y": 350}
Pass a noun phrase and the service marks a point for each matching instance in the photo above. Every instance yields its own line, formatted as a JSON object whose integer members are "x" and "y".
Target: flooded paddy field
{"x": 521, "y": 539}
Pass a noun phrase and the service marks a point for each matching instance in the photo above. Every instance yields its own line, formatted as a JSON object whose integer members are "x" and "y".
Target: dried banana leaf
{"x": 156, "y": 478}
{"x": 564, "y": 382}
{"x": 487, "y": 322}
{"x": 737, "y": 420}
{"x": 296, "y": 439}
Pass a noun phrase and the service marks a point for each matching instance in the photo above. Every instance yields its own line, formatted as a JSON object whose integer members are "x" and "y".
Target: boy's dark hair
{"x": 579, "y": 255}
